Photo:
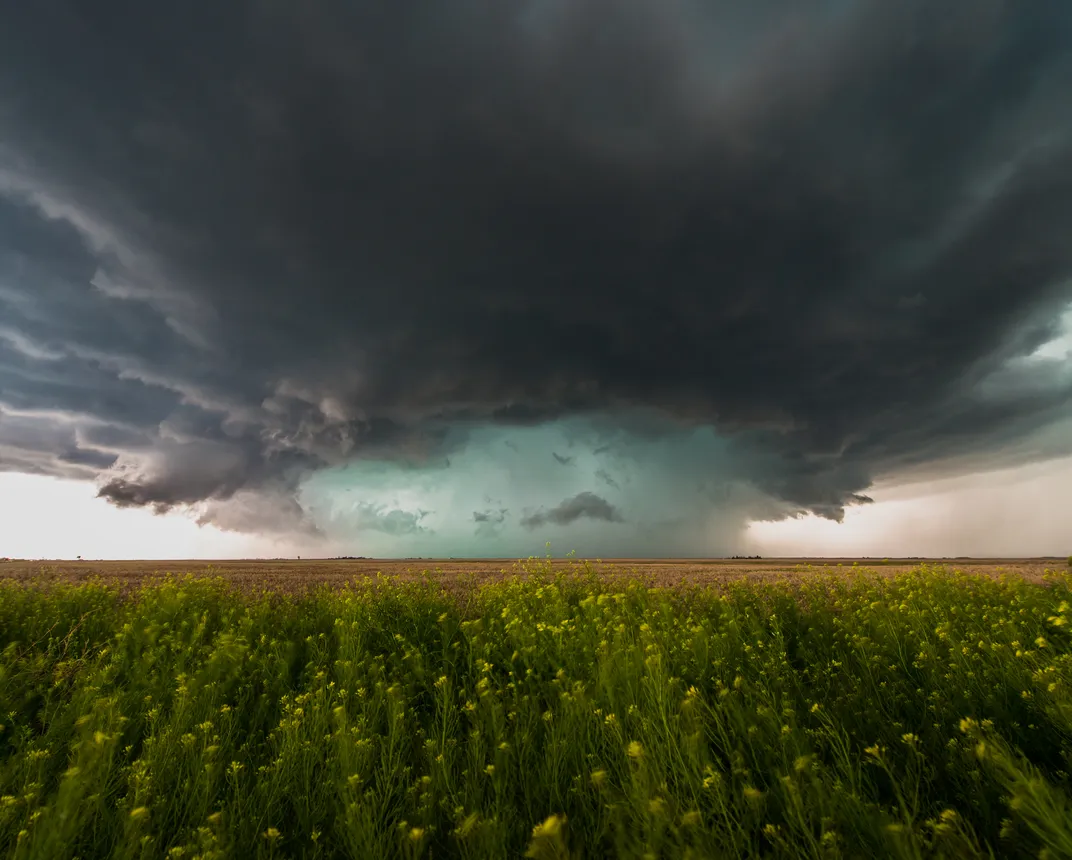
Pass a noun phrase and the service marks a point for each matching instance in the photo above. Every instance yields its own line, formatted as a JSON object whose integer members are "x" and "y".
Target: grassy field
{"x": 849, "y": 714}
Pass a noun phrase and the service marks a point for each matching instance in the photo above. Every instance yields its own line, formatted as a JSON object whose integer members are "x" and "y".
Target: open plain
{"x": 295, "y": 575}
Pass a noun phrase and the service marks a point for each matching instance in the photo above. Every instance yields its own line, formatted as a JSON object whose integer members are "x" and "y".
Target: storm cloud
{"x": 489, "y": 522}
{"x": 582, "y": 506}
{"x": 370, "y": 517}
{"x": 243, "y": 244}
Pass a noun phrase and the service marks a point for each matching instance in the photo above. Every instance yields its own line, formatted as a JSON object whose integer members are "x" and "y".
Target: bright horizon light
{"x": 992, "y": 515}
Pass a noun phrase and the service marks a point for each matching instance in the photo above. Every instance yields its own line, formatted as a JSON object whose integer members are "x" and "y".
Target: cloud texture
{"x": 582, "y": 506}
{"x": 240, "y": 244}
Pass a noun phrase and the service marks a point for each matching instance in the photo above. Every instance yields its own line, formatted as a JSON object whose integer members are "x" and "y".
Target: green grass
{"x": 924, "y": 715}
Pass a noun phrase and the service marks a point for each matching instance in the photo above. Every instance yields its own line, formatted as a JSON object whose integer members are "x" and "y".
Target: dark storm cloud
{"x": 582, "y": 506}
{"x": 246, "y": 241}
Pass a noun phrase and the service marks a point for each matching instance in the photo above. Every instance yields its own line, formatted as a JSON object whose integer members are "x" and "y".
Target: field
{"x": 733, "y": 709}
{"x": 296, "y": 575}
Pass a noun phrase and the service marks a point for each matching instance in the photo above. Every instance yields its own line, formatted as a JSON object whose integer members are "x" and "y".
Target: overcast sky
{"x": 636, "y": 277}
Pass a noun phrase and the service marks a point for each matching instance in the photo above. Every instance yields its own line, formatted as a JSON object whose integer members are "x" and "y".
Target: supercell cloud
{"x": 724, "y": 257}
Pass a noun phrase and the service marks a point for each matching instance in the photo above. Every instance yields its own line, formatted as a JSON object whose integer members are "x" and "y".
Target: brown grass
{"x": 288, "y": 575}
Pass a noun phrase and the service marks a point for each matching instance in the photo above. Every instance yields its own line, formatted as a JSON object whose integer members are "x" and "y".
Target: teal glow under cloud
{"x": 677, "y": 494}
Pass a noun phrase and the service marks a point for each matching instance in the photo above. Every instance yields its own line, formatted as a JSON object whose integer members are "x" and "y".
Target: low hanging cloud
{"x": 378, "y": 518}
{"x": 242, "y": 247}
{"x": 489, "y": 522}
{"x": 248, "y": 511}
{"x": 582, "y": 506}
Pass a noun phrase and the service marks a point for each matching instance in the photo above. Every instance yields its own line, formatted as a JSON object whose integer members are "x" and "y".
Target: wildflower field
{"x": 925, "y": 714}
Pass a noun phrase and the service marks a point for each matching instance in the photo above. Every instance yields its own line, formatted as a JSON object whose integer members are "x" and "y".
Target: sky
{"x": 632, "y": 277}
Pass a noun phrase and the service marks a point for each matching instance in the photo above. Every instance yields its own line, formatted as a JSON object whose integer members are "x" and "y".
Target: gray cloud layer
{"x": 240, "y": 243}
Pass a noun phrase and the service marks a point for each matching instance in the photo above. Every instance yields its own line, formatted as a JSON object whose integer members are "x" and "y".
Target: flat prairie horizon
{"x": 682, "y": 559}
{"x": 290, "y": 574}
